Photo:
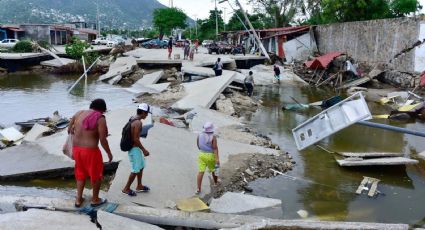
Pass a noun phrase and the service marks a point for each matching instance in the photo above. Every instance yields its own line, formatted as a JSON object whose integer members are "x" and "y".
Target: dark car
{"x": 155, "y": 44}
{"x": 220, "y": 48}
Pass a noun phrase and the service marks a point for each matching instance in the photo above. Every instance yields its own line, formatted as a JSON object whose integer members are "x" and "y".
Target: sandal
{"x": 102, "y": 202}
{"x": 130, "y": 193}
{"x": 144, "y": 189}
{"x": 78, "y": 205}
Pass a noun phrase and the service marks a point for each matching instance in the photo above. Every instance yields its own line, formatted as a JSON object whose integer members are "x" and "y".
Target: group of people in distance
{"x": 88, "y": 128}
{"x": 189, "y": 48}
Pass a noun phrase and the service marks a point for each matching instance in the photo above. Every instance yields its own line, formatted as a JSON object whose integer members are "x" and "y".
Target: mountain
{"x": 133, "y": 14}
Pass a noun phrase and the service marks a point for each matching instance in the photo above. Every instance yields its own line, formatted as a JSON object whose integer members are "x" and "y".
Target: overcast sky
{"x": 201, "y": 8}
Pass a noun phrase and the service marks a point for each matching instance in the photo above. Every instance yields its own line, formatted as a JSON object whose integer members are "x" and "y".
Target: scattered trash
{"x": 302, "y": 213}
{"x": 370, "y": 185}
{"x": 11, "y": 134}
{"x": 193, "y": 204}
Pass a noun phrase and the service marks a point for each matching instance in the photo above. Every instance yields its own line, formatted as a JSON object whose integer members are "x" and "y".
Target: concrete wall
{"x": 376, "y": 41}
{"x": 37, "y": 32}
{"x": 299, "y": 48}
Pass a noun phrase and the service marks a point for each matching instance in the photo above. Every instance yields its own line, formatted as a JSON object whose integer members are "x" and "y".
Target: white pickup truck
{"x": 100, "y": 41}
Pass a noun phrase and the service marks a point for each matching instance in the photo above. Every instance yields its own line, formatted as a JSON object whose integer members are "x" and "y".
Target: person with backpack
{"x": 130, "y": 141}
{"x": 208, "y": 154}
{"x": 218, "y": 67}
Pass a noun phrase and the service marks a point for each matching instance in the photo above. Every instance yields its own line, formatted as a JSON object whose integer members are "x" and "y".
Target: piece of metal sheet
{"x": 331, "y": 120}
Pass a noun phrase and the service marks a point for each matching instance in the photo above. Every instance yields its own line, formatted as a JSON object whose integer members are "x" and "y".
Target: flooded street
{"x": 327, "y": 191}
{"x": 24, "y": 97}
{"x": 317, "y": 184}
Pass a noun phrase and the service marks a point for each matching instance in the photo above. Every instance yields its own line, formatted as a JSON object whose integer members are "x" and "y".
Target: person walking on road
{"x": 276, "y": 70}
{"x": 186, "y": 49}
{"x": 138, "y": 153}
{"x": 249, "y": 83}
{"x": 208, "y": 154}
{"x": 218, "y": 67}
{"x": 192, "y": 51}
{"x": 88, "y": 128}
{"x": 170, "y": 47}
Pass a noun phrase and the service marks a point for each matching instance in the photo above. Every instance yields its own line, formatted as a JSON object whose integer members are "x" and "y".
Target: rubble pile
{"x": 240, "y": 170}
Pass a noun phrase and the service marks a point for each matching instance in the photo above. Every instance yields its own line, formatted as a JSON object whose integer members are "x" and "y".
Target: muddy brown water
{"x": 324, "y": 189}
{"x": 317, "y": 184}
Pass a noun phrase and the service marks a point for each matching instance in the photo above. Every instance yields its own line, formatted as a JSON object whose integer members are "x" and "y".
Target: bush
{"x": 75, "y": 49}
{"x": 23, "y": 47}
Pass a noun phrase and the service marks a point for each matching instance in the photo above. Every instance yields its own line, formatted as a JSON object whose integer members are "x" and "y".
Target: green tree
{"x": 258, "y": 21}
{"x": 207, "y": 27}
{"x": 283, "y": 12}
{"x": 402, "y": 8}
{"x": 166, "y": 19}
{"x": 331, "y": 11}
{"x": 75, "y": 49}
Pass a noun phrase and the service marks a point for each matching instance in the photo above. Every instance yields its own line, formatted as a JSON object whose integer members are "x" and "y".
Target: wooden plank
{"x": 362, "y": 184}
{"x": 370, "y": 154}
{"x": 372, "y": 190}
{"x": 378, "y": 161}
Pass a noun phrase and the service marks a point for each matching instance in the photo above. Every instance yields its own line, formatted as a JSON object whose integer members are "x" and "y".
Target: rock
{"x": 249, "y": 172}
{"x": 225, "y": 106}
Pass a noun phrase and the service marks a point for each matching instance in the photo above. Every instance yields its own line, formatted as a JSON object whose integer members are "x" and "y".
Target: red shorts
{"x": 88, "y": 163}
{"x": 170, "y": 50}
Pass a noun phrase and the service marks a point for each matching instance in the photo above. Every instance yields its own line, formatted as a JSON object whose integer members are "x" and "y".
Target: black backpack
{"x": 126, "y": 142}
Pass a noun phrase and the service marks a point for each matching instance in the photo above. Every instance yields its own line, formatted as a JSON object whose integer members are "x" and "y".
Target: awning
{"x": 322, "y": 62}
{"x": 13, "y": 29}
{"x": 287, "y": 32}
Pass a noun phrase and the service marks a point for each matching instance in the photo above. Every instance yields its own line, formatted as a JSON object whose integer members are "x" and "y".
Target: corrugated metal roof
{"x": 287, "y": 32}
{"x": 322, "y": 62}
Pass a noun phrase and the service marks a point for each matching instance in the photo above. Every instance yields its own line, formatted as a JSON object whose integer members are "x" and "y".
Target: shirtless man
{"x": 88, "y": 128}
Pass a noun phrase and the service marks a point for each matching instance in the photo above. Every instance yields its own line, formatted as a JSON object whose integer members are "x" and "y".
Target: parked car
{"x": 206, "y": 43}
{"x": 100, "y": 41}
{"x": 115, "y": 42}
{"x": 8, "y": 43}
{"x": 155, "y": 43}
{"x": 220, "y": 48}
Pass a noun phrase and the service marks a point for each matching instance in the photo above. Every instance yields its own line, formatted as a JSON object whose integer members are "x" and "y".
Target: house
{"x": 11, "y": 31}
{"x": 287, "y": 42}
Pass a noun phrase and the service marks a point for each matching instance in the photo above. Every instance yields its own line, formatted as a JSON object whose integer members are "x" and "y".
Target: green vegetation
{"x": 75, "y": 49}
{"x": 166, "y": 19}
{"x": 24, "y": 46}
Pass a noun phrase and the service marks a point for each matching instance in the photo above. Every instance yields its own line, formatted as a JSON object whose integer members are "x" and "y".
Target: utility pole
{"x": 216, "y": 20}
{"x": 260, "y": 44}
{"x": 224, "y": 18}
{"x": 97, "y": 17}
{"x": 171, "y": 3}
{"x": 196, "y": 25}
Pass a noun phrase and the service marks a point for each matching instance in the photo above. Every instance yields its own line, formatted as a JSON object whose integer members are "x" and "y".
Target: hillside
{"x": 113, "y": 13}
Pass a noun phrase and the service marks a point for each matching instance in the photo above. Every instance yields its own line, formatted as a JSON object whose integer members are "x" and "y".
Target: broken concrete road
{"x": 232, "y": 202}
{"x": 198, "y": 116}
{"x": 171, "y": 168}
{"x": 150, "y": 79}
{"x": 57, "y": 63}
{"x": 121, "y": 67}
{"x": 203, "y": 93}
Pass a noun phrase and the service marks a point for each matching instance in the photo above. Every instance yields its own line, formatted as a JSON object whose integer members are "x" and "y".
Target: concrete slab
{"x": 11, "y": 134}
{"x": 152, "y": 89}
{"x": 198, "y": 116}
{"x": 378, "y": 161}
{"x": 422, "y": 154}
{"x": 204, "y": 220}
{"x": 171, "y": 168}
{"x": 198, "y": 71}
{"x": 232, "y": 202}
{"x": 203, "y": 93}
{"x": 35, "y": 219}
{"x": 56, "y": 63}
{"x": 18, "y": 56}
{"x": 150, "y": 79}
{"x": 370, "y": 154}
{"x": 28, "y": 159}
{"x": 36, "y": 132}
{"x": 122, "y": 66}
{"x": 110, "y": 221}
